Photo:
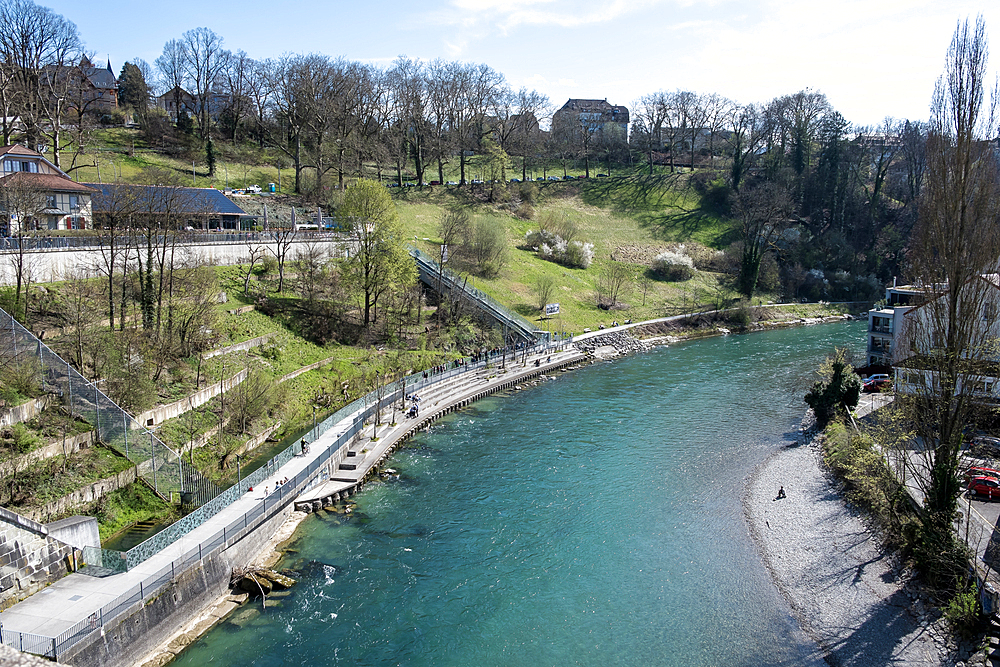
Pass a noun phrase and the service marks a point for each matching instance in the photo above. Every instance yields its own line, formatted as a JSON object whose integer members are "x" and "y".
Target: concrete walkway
{"x": 74, "y": 603}
{"x": 435, "y": 401}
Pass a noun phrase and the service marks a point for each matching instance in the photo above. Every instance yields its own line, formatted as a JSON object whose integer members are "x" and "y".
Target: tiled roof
{"x": 203, "y": 201}
{"x": 17, "y": 149}
{"x": 46, "y": 182}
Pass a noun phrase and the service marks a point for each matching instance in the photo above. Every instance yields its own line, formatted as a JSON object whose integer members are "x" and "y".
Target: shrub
{"x": 553, "y": 247}
{"x": 673, "y": 266}
{"x": 962, "y": 612}
{"x": 529, "y": 193}
{"x": 525, "y": 211}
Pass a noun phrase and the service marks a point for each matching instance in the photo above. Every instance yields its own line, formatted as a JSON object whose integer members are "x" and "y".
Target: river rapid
{"x": 593, "y": 520}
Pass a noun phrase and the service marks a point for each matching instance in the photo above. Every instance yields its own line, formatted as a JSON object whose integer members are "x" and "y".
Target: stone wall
{"x": 30, "y": 559}
{"x": 84, "y": 495}
{"x": 148, "y": 625}
{"x": 25, "y": 411}
{"x": 51, "y": 450}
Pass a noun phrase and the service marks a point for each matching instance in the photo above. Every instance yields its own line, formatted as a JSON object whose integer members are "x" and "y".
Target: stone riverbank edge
{"x": 615, "y": 341}
{"x": 852, "y": 598}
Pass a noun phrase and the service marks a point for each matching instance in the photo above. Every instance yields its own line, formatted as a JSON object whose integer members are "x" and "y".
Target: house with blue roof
{"x": 172, "y": 207}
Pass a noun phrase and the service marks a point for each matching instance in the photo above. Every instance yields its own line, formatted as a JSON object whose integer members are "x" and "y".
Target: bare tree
{"x": 958, "y": 243}
{"x": 38, "y": 47}
{"x": 761, "y": 210}
{"x": 203, "y": 60}
{"x": 612, "y": 282}
{"x": 23, "y": 203}
{"x": 545, "y": 287}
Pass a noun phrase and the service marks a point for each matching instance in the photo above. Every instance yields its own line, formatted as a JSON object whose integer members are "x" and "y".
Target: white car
{"x": 253, "y": 189}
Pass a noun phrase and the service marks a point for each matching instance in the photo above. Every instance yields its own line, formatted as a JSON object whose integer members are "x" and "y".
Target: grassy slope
{"x": 653, "y": 219}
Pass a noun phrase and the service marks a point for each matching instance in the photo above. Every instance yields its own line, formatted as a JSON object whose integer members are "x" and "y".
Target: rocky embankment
{"x": 622, "y": 342}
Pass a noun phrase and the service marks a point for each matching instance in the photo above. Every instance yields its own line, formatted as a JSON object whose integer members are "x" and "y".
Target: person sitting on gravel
{"x": 781, "y": 493}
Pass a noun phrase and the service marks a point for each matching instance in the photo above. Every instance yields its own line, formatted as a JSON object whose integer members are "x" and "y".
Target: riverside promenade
{"x": 65, "y": 619}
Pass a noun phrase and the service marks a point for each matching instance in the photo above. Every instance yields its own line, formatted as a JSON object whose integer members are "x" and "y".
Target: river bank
{"x": 854, "y": 599}
{"x": 205, "y": 621}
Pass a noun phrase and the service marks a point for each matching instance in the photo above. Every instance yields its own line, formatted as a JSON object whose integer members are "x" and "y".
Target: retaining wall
{"x": 30, "y": 558}
{"x": 150, "y": 624}
{"x": 25, "y": 411}
{"x": 171, "y": 410}
{"x": 84, "y": 495}
{"x": 51, "y": 450}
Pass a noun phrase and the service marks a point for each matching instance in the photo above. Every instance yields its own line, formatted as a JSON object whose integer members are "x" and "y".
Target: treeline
{"x": 842, "y": 196}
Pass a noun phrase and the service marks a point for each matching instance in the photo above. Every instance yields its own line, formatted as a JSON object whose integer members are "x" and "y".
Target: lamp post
{"x": 239, "y": 471}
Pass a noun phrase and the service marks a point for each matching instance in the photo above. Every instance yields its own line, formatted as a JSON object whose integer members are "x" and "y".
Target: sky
{"x": 872, "y": 58}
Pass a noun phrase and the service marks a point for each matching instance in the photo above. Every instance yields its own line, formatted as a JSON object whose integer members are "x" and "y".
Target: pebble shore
{"x": 848, "y": 595}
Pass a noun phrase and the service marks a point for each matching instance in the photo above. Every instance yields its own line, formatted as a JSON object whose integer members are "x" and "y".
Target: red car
{"x": 985, "y": 486}
{"x": 979, "y": 471}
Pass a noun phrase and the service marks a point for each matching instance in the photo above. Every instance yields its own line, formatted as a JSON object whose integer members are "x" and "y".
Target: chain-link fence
{"x": 161, "y": 467}
{"x": 354, "y": 414}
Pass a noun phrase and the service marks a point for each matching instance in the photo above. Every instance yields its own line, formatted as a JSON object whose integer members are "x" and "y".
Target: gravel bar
{"x": 846, "y": 592}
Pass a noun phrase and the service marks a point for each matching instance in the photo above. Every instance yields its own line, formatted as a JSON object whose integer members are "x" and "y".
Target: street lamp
{"x": 239, "y": 472}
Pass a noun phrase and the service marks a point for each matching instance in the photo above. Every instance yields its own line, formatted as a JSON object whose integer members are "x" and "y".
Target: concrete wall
{"x": 191, "y": 402}
{"x": 150, "y": 624}
{"x": 53, "y": 265}
{"x": 25, "y": 411}
{"x": 53, "y": 449}
{"x": 76, "y": 531}
{"x": 245, "y": 345}
{"x": 81, "y": 496}
{"x": 30, "y": 558}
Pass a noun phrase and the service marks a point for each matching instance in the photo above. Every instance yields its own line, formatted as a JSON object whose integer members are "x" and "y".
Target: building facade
{"x": 37, "y": 195}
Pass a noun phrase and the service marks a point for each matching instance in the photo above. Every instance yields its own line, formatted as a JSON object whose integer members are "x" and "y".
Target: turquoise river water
{"x": 593, "y": 520}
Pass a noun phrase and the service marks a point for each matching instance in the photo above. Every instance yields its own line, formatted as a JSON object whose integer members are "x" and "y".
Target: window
{"x": 50, "y": 201}
{"x": 74, "y": 203}
{"x": 20, "y": 165}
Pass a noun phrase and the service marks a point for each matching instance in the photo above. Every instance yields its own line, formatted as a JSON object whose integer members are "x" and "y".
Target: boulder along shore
{"x": 851, "y": 597}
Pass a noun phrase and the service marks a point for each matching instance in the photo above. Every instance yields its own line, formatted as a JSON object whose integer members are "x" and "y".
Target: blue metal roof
{"x": 162, "y": 199}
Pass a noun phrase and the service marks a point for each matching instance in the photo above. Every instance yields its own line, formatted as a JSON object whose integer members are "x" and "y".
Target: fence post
{"x": 69, "y": 388}
{"x": 97, "y": 405}
{"x": 54, "y": 657}
{"x": 152, "y": 452}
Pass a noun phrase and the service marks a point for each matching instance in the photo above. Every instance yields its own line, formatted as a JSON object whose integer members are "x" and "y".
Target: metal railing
{"x": 433, "y": 276}
{"x": 86, "y": 241}
{"x": 358, "y": 412}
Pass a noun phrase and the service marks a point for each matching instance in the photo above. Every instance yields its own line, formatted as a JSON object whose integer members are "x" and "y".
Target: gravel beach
{"x": 844, "y": 590}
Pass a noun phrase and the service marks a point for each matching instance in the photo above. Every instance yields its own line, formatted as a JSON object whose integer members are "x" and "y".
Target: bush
{"x": 529, "y": 193}
{"x": 673, "y": 266}
{"x": 553, "y": 247}
{"x": 962, "y": 612}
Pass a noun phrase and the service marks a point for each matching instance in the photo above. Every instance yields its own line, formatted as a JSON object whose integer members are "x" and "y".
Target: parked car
{"x": 979, "y": 471}
{"x": 435, "y": 182}
{"x": 985, "y": 445}
{"x": 877, "y": 382}
{"x": 451, "y": 183}
{"x": 985, "y": 486}
{"x": 554, "y": 178}
{"x": 253, "y": 189}
{"x": 570, "y": 178}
